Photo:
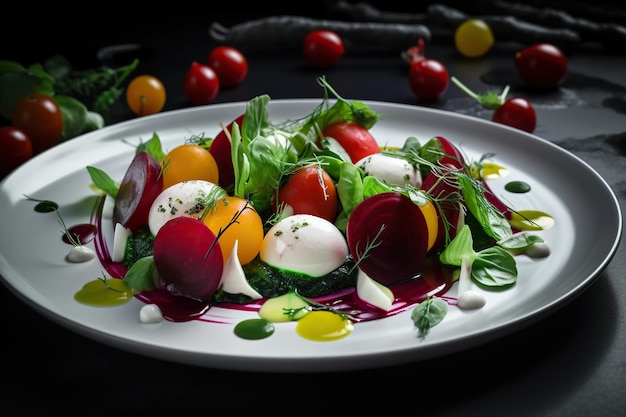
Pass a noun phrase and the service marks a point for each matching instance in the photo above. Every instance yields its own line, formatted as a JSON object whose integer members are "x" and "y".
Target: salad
{"x": 310, "y": 220}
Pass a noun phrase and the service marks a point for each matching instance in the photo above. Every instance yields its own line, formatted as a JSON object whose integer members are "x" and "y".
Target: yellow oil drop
{"x": 531, "y": 220}
{"x": 491, "y": 171}
{"x": 98, "y": 293}
{"x": 324, "y": 326}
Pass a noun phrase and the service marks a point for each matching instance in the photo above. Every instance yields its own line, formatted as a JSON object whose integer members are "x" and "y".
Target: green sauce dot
{"x": 254, "y": 329}
{"x": 517, "y": 187}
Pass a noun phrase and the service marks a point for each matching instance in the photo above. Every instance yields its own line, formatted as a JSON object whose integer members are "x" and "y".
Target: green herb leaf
{"x": 428, "y": 314}
{"x": 152, "y": 147}
{"x": 74, "y": 115}
{"x": 102, "y": 180}
{"x": 520, "y": 240}
{"x": 494, "y": 267}
{"x": 490, "y": 218}
{"x": 140, "y": 276}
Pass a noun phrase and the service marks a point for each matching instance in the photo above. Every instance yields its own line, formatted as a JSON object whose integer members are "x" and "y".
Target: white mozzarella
{"x": 394, "y": 171}
{"x": 306, "y": 244}
{"x": 187, "y": 198}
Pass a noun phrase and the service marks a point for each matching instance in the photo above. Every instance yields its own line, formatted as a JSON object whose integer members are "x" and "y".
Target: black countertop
{"x": 570, "y": 363}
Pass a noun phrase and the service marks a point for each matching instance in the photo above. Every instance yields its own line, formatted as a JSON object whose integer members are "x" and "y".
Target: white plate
{"x": 32, "y": 260}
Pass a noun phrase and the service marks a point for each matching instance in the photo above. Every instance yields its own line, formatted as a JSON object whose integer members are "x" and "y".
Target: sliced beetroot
{"x": 182, "y": 258}
{"x": 221, "y": 151}
{"x": 446, "y": 192}
{"x": 399, "y": 251}
{"x": 452, "y": 154}
{"x": 140, "y": 186}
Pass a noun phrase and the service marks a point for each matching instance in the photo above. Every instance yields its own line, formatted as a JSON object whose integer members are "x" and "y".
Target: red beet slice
{"x": 402, "y": 245}
{"x": 446, "y": 192}
{"x": 222, "y": 153}
{"x": 452, "y": 154}
{"x": 180, "y": 258}
{"x": 139, "y": 188}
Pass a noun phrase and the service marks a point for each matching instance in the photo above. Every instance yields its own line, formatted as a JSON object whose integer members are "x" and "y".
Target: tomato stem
{"x": 489, "y": 100}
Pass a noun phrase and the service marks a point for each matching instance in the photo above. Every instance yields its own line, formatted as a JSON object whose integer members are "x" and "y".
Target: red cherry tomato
{"x": 310, "y": 191}
{"x": 428, "y": 79}
{"x": 201, "y": 84}
{"x": 230, "y": 65}
{"x": 322, "y": 48}
{"x": 542, "y": 65}
{"x": 15, "y": 148}
{"x": 356, "y": 140}
{"x": 39, "y": 116}
{"x": 516, "y": 112}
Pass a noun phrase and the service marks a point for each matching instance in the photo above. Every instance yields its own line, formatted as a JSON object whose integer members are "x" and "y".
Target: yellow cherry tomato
{"x": 432, "y": 221}
{"x": 189, "y": 162}
{"x": 237, "y": 221}
{"x": 473, "y": 38}
{"x": 145, "y": 95}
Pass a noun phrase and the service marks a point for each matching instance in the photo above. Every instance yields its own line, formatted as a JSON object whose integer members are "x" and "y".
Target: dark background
{"x": 569, "y": 364}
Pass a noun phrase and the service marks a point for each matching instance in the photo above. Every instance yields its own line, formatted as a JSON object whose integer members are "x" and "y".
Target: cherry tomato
{"x": 230, "y": 65}
{"x": 238, "y": 222}
{"x": 516, "y": 112}
{"x": 473, "y": 38}
{"x": 310, "y": 191}
{"x": 322, "y": 48}
{"x": 145, "y": 95}
{"x": 542, "y": 66}
{"x": 15, "y": 148}
{"x": 40, "y": 118}
{"x": 428, "y": 79}
{"x": 356, "y": 140}
{"x": 189, "y": 162}
{"x": 201, "y": 84}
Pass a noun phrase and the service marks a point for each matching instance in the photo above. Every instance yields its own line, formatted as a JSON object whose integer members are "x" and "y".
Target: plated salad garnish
{"x": 310, "y": 220}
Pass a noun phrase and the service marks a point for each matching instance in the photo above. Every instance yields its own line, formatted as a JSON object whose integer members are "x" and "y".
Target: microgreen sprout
{"x": 368, "y": 248}
{"x": 312, "y": 305}
{"x": 105, "y": 281}
{"x": 222, "y": 230}
{"x": 46, "y": 206}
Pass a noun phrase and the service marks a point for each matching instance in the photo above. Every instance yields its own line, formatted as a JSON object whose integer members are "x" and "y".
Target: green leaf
{"x": 459, "y": 247}
{"x": 11, "y": 66}
{"x": 57, "y": 66}
{"x": 493, "y": 222}
{"x": 103, "y": 181}
{"x": 520, "y": 240}
{"x": 428, "y": 314}
{"x": 140, "y": 276}
{"x": 349, "y": 189}
{"x": 74, "y": 115}
{"x": 494, "y": 268}
{"x": 344, "y": 111}
{"x": 93, "y": 122}
{"x": 153, "y": 147}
